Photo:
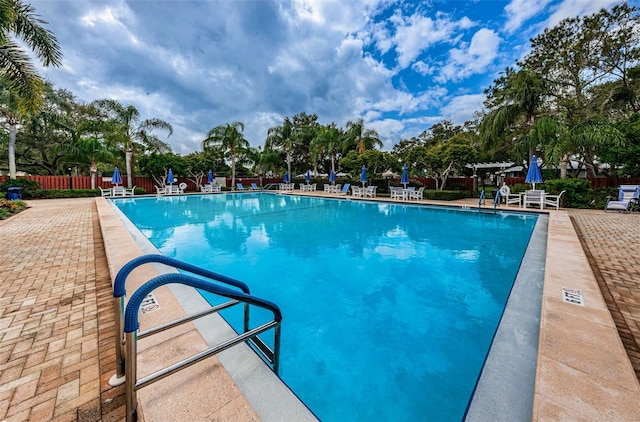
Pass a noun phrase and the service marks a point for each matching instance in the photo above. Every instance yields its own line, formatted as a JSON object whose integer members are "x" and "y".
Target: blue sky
{"x": 400, "y": 65}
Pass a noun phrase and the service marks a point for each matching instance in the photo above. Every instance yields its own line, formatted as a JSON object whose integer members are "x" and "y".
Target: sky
{"x": 401, "y": 66}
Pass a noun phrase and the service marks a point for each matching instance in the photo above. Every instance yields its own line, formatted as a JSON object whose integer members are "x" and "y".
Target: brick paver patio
{"x": 611, "y": 242}
{"x": 56, "y": 318}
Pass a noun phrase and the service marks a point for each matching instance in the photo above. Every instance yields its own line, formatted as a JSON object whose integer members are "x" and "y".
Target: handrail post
{"x": 119, "y": 377}
{"x": 276, "y": 349}
{"x": 131, "y": 398}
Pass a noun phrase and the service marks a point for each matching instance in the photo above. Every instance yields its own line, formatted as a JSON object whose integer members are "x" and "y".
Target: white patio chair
{"x": 553, "y": 200}
{"x": 534, "y": 197}
{"x": 417, "y": 194}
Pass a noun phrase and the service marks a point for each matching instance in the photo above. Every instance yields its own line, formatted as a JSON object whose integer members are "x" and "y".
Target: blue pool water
{"x": 389, "y": 310}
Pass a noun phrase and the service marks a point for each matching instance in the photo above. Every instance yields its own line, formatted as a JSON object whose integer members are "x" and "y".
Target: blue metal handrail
{"x": 481, "y": 200}
{"x": 132, "y": 324}
{"x": 496, "y": 200}
{"x": 119, "y": 292}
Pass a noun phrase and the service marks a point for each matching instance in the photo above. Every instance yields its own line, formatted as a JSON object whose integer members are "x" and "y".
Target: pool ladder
{"x": 496, "y": 201}
{"x": 127, "y": 336}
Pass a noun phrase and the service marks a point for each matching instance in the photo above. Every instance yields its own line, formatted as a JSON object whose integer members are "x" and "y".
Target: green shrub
{"x": 26, "y": 184}
{"x": 577, "y": 192}
{"x": 447, "y": 195}
{"x": 60, "y": 193}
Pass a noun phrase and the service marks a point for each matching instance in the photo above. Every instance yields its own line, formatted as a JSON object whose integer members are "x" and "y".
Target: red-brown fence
{"x": 594, "y": 182}
{"x": 147, "y": 183}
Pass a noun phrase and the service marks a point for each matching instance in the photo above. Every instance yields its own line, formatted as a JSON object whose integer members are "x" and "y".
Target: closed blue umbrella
{"x": 210, "y": 176}
{"x": 286, "y": 179}
{"x": 405, "y": 176}
{"x": 308, "y": 176}
{"x": 332, "y": 177}
{"x": 116, "y": 179}
{"x": 363, "y": 176}
{"x": 170, "y": 178}
{"x": 533, "y": 175}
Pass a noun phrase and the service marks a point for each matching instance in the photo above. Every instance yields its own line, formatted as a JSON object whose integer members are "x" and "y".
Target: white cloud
{"x": 416, "y": 33}
{"x": 462, "y": 108}
{"x": 573, "y": 8}
{"x": 471, "y": 59}
{"x": 519, "y": 11}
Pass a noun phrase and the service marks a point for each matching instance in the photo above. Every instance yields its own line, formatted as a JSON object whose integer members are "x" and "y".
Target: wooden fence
{"x": 148, "y": 184}
{"x": 594, "y": 182}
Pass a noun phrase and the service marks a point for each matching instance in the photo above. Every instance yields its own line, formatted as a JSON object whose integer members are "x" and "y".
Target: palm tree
{"x": 282, "y": 137}
{"x": 86, "y": 150}
{"x": 17, "y": 75}
{"x": 516, "y": 99}
{"x": 360, "y": 138}
{"x": 127, "y": 132}
{"x": 326, "y": 142}
{"x": 229, "y": 139}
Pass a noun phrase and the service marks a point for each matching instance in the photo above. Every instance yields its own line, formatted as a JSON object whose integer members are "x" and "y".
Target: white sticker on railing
{"x": 149, "y": 304}
{"x": 572, "y": 296}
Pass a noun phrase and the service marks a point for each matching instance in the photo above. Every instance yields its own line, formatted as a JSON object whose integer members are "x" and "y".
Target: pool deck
{"x": 58, "y": 258}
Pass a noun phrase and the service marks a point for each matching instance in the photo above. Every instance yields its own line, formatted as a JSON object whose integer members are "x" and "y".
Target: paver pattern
{"x": 55, "y": 316}
{"x": 611, "y": 242}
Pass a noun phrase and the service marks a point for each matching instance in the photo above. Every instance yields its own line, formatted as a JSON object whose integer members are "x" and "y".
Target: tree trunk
{"x": 563, "y": 166}
{"x": 93, "y": 170}
{"x": 12, "y": 150}
{"x": 128, "y": 159}
{"x": 233, "y": 171}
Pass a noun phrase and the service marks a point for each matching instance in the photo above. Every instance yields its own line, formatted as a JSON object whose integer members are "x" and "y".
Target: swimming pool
{"x": 389, "y": 310}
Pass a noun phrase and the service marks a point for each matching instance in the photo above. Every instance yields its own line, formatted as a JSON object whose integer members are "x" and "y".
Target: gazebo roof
{"x": 496, "y": 165}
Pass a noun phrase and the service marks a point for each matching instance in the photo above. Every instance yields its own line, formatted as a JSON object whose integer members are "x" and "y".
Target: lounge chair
{"x": 534, "y": 197}
{"x": 628, "y": 197}
{"x": 553, "y": 200}
{"x": 345, "y": 189}
{"x": 417, "y": 194}
{"x": 254, "y": 187}
{"x": 240, "y": 187}
{"x": 105, "y": 192}
{"x": 370, "y": 192}
{"x": 161, "y": 191}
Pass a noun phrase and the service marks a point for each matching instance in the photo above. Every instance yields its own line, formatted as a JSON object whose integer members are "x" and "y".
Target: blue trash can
{"x": 14, "y": 192}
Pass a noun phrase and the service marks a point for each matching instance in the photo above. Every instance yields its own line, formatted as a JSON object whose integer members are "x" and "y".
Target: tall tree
{"x": 357, "y": 137}
{"x": 86, "y": 150}
{"x": 17, "y": 74}
{"x": 282, "y": 138}
{"x": 515, "y": 102}
{"x": 229, "y": 139}
{"x": 326, "y": 143}
{"x": 127, "y": 132}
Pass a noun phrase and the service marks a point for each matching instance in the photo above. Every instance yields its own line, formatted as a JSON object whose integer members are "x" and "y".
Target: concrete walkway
{"x": 56, "y": 330}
